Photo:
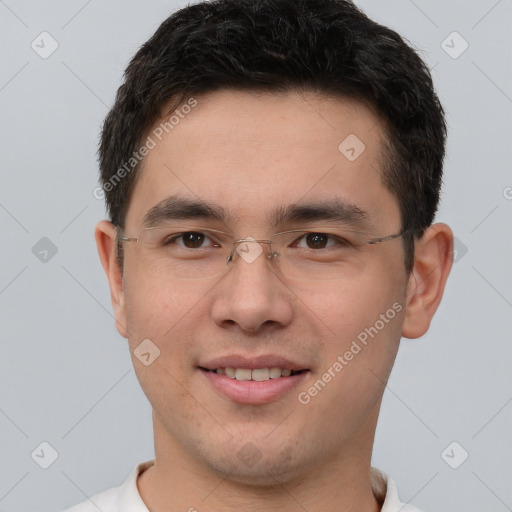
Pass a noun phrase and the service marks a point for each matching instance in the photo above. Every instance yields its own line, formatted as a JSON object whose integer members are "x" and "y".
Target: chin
{"x": 262, "y": 476}
{"x": 251, "y": 467}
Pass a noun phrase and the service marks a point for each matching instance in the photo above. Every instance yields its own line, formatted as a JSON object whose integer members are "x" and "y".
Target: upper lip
{"x": 251, "y": 362}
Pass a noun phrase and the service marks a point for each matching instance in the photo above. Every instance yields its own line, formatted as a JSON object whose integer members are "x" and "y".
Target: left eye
{"x": 320, "y": 241}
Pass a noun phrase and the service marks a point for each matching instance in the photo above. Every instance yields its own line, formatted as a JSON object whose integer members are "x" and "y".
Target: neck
{"x": 177, "y": 481}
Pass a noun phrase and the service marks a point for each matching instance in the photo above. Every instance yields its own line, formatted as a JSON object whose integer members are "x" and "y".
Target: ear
{"x": 105, "y": 234}
{"x": 433, "y": 257}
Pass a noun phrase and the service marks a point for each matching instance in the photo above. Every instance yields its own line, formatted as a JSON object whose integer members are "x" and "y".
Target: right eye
{"x": 189, "y": 240}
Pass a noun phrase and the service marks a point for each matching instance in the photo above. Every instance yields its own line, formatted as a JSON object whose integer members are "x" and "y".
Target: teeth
{"x": 261, "y": 374}
{"x": 258, "y": 374}
{"x": 275, "y": 373}
{"x": 243, "y": 374}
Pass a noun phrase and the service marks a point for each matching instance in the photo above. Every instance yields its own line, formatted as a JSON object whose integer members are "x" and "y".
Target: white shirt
{"x": 126, "y": 497}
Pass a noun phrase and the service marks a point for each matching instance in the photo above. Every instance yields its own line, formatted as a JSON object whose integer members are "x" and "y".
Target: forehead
{"x": 255, "y": 153}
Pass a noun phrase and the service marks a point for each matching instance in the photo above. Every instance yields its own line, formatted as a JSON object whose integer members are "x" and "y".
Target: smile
{"x": 253, "y": 386}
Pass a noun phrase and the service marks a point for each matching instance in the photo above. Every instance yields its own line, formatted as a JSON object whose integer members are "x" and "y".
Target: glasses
{"x": 191, "y": 252}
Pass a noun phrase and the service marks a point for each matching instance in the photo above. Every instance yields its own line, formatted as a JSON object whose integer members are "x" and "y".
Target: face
{"x": 253, "y": 155}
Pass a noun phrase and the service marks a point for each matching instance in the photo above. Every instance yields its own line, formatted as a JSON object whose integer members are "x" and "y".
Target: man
{"x": 272, "y": 171}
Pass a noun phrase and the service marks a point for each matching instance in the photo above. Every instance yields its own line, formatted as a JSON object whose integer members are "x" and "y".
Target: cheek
{"x": 345, "y": 308}
{"x": 155, "y": 306}
{"x": 362, "y": 321}
{"x": 152, "y": 322}
{"x": 158, "y": 324}
{"x": 364, "y": 333}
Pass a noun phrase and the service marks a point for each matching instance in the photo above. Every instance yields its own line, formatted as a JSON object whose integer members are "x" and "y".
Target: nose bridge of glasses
{"x": 249, "y": 249}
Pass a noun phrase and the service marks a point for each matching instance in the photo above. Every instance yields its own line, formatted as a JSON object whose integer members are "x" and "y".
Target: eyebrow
{"x": 329, "y": 210}
{"x": 180, "y": 208}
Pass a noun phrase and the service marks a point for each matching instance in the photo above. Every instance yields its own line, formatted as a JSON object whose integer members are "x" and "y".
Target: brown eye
{"x": 187, "y": 240}
{"x": 193, "y": 240}
{"x": 317, "y": 240}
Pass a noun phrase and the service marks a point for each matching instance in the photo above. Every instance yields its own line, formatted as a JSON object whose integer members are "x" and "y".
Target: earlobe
{"x": 433, "y": 259}
{"x": 105, "y": 234}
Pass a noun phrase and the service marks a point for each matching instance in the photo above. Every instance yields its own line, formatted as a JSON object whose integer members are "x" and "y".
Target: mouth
{"x": 255, "y": 374}
{"x": 253, "y": 381}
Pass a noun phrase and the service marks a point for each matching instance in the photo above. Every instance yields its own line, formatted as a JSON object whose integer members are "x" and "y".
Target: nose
{"x": 252, "y": 295}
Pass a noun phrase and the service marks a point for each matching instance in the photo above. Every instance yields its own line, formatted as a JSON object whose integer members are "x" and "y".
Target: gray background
{"x": 65, "y": 374}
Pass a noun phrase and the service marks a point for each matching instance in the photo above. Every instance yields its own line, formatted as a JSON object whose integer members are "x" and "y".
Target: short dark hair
{"x": 326, "y": 46}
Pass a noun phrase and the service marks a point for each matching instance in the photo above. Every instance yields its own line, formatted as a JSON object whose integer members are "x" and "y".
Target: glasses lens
{"x": 320, "y": 255}
{"x": 184, "y": 252}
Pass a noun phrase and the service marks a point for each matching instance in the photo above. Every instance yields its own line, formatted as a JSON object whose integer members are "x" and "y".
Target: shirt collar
{"x": 129, "y": 499}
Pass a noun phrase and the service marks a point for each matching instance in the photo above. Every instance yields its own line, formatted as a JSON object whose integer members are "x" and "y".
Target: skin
{"x": 251, "y": 153}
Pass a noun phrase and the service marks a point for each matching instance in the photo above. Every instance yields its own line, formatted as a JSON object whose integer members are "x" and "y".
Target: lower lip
{"x": 251, "y": 391}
